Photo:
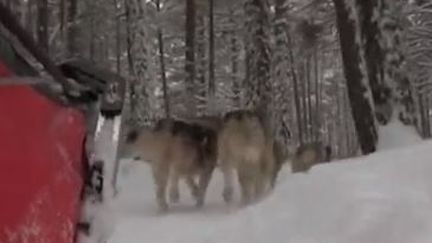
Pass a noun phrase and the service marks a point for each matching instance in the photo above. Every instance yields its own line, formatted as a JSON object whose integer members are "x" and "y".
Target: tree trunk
{"x": 92, "y": 48}
{"x": 142, "y": 81}
{"x": 391, "y": 87}
{"x": 338, "y": 121}
{"x": 259, "y": 86}
{"x": 282, "y": 100}
{"x": 129, "y": 37}
{"x": 72, "y": 30}
{"x": 162, "y": 67}
{"x": 302, "y": 86}
{"x": 357, "y": 82}
{"x": 211, "y": 57}
{"x": 118, "y": 46}
{"x": 236, "y": 86}
{"x": 308, "y": 110}
{"x": 394, "y": 65}
{"x": 424, "y": 115}
{"x": 234, "y": 56}
{"x": 190, "y": 54}
{"x": 347, "y": 124}
{"x": 427, "y": 109}
{"x": 317, "y": 113}
{"x": 62, "y": 14}
{"x": 374, "y": 58}
{"x": 42, "y": 31}
{"x": 201, "y": 88}
{"x": 296, "y": 91}
{"x": 30, "y": 18}
{"x": 427, "y": 116}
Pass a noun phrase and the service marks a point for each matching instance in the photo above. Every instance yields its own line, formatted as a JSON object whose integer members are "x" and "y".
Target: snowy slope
{"x": 385, "y": 197}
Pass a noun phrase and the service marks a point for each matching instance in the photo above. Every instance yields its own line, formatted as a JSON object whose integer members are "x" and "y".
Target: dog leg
{"x": 245, "y": 186}
{"x": 228, "y": 174}
{"x": 260, "y": 184}
{"x": 192, "y": 186}
{"x": 271, "y": 177}
{"x": 204, "y": 180}
{"x": 174, "y": 187}
{"x": 275, "y": 172}
{"x": 160, "y": 177}
{"x": 266, "y": 180}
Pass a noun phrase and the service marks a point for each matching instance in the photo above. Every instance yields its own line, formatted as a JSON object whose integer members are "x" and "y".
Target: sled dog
{"x": 245, "y": 147}
{"x": 176, "y": 150}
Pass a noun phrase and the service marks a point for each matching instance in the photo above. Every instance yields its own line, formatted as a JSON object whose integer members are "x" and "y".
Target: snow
{"x": 397, "y": 135}
{"x": 384, "y": 197}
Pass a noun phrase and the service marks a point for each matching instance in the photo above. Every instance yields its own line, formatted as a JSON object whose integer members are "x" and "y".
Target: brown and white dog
{"x": 245, "y": 147}
{"x": 176, "y": 150}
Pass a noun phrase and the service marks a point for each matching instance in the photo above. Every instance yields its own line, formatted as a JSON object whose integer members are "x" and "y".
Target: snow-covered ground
{"x": 385, "y": 197}
{"x": 397, "y": 135}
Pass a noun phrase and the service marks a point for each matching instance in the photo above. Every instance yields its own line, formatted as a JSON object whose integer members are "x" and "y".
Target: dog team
{"x": 238, "y": 143}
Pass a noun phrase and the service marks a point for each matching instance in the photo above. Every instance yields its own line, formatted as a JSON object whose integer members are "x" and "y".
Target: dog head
{"x": 141, "y": 144}
{"x": 309, "y": 155}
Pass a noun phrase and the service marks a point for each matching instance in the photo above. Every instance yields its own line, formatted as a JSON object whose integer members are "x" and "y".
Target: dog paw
{"x": 199, "y": 202}
{"x": 245, "y": 201}
{"x": 196, "y": 193}
{"x": 163, "y": 207}
{"x": 227, "y": 195}
{"x": 174, "y": 196}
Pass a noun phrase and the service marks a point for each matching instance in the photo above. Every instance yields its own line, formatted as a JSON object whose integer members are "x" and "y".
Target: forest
{"x": 334, "y": 72}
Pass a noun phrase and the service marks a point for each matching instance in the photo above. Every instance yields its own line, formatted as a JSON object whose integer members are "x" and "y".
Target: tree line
{"x": 333, "y": 71}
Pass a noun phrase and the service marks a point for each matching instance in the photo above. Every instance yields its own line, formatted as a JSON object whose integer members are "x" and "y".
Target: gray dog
{"x": 176, "y": 150}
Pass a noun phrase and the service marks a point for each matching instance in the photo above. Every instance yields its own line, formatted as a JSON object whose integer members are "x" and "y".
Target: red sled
{"x": 44, "y": 166}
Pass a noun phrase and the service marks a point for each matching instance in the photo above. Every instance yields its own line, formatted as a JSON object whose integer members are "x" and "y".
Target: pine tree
{"x": 190, "y": 65}
{"x": 357, "y": 80}
{"x": 142, "y": 113}
{"x": 258, "y": 86}
{"x": 280, "y": 75}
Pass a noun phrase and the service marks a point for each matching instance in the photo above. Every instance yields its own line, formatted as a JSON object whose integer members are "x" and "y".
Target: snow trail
{"x": 384, "y": 197}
